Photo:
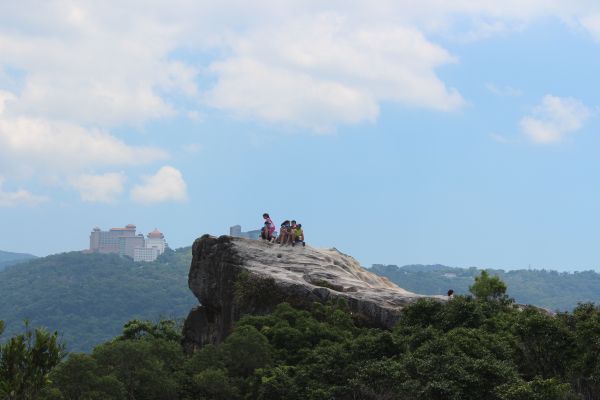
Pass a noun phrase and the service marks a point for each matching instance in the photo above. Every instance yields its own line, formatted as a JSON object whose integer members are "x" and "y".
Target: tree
{"x": 537, "y": 389}
{"x": 140, "y": 329}
{"x": 79, "y": 378}
{"x": 489, "y": 288}
{"x": 245, "y": 350}
{"x": 467, "y": 364}
{"x": 146, "y": 368}
{"x": 25, "y": 362}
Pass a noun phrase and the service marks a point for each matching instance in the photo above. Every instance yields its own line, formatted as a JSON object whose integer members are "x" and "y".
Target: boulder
{"x": 236, "y": 276}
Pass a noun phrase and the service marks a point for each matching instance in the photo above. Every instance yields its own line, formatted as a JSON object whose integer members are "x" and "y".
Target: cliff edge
{"x": 236, "y": 276}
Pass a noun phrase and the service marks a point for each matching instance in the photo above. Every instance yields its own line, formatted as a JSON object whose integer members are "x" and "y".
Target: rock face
{"x": 235, "y": 276}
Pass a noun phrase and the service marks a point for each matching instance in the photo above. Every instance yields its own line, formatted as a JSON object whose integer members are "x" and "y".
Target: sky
{"x": 464, "y": 133}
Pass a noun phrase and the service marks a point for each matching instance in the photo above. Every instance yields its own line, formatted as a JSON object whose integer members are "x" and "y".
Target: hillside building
{"x": 125, "y": 242}
{"x": 156, "y": 240}
{"x": 145, "y": 254}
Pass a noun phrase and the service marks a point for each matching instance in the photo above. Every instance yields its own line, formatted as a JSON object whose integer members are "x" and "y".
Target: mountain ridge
{"x": 9, "y": 258}
{"x": 544, "y": 288}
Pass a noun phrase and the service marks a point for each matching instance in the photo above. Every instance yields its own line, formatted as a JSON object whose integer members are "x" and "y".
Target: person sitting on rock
{"x": 292, "y": 238}
{"x": 285, "y": 232}
{"x": 269, "y": 228}
{"x": 298, "y": 235}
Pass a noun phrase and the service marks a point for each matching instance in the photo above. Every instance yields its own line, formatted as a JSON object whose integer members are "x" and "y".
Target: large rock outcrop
{"x": 234, "y": 276}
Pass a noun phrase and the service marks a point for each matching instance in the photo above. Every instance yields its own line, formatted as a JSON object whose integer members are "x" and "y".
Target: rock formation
{"x": 235, "y": 276}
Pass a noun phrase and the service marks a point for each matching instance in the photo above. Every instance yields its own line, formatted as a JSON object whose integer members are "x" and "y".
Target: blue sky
{"x": 398, "y": 132}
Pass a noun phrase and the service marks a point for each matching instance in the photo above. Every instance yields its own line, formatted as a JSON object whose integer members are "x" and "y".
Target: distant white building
{"x": 145, "y": 254}
{"x": 155, "y": 245}
{"x": 125, "y": 242}
{"x": 156, "y": 240}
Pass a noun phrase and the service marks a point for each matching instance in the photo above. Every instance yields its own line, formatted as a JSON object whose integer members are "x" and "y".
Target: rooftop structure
{"x": 236, "y": 231}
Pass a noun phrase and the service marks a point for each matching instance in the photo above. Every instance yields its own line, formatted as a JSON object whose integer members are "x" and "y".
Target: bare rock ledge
{"x": 235, "y": 276}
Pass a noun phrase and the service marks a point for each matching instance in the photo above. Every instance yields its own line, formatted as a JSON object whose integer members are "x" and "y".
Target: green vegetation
{"x": 468, "y": 348}
{"x": 548, "y": 289}
{"x": 7, "y": 258}
{"x": 25, "y": 362}
{"x": 256, "y": 293}
{"x": 488, "y": 288}
{"x": 89, "y": 297}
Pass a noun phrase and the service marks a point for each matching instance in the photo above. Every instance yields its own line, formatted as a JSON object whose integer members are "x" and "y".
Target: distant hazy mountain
{"x": 7, "y": 258}
{"x": 88, "y": 297}
{"x": 548, "y": 289}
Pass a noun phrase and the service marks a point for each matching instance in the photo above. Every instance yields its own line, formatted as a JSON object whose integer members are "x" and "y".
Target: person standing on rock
{"x": 268, "y": 229}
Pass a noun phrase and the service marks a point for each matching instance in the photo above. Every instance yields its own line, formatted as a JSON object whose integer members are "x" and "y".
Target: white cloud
{"x": 89, "y": 70}
{"x": 324, "y": 71}
{"x": 308, "y": 63}
{"x": 36, "y": 146}
{"x": 554, "y": 118}
{"x": 19, "y": 198}
{"x": 91, "y": 65}
{"x": 103, "y": 188}
{"x": 166, "y": 185}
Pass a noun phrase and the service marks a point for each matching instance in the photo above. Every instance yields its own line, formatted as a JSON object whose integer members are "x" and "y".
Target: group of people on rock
{"x": 290, "y": 232}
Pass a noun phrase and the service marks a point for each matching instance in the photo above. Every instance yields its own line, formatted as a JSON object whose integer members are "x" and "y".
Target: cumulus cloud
{"x": 302, "y": 62}
{"x": 103, "y": 188}
{"x": 30, "y": 145}
{"x": 72, "y": 72}
{"x": 19, "y": 198}
{"x": 554, "y": 118}
{"x": 166, "y": 185}
{"x": 88, "y": 70}
{"x": 325, "y": 71}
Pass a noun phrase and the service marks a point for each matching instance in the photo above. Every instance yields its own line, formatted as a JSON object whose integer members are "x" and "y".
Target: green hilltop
{"x": 89, "y": 297}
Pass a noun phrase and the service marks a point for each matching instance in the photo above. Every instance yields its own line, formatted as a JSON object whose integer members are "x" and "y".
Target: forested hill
{"x": 7, "y": 258}
{"x": 543, "y": 288}
{"x": 89, "y": 297}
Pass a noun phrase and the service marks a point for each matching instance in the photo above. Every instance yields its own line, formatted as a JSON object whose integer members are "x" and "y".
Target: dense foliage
{"x": 26, "y": 361}
{"x": 88, "y": 297}
{"x": 469, "y": 348}
{"x": 549, "y": 289}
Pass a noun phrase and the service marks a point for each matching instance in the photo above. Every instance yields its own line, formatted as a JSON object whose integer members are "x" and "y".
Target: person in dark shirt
{"x": 285, "y": 232}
